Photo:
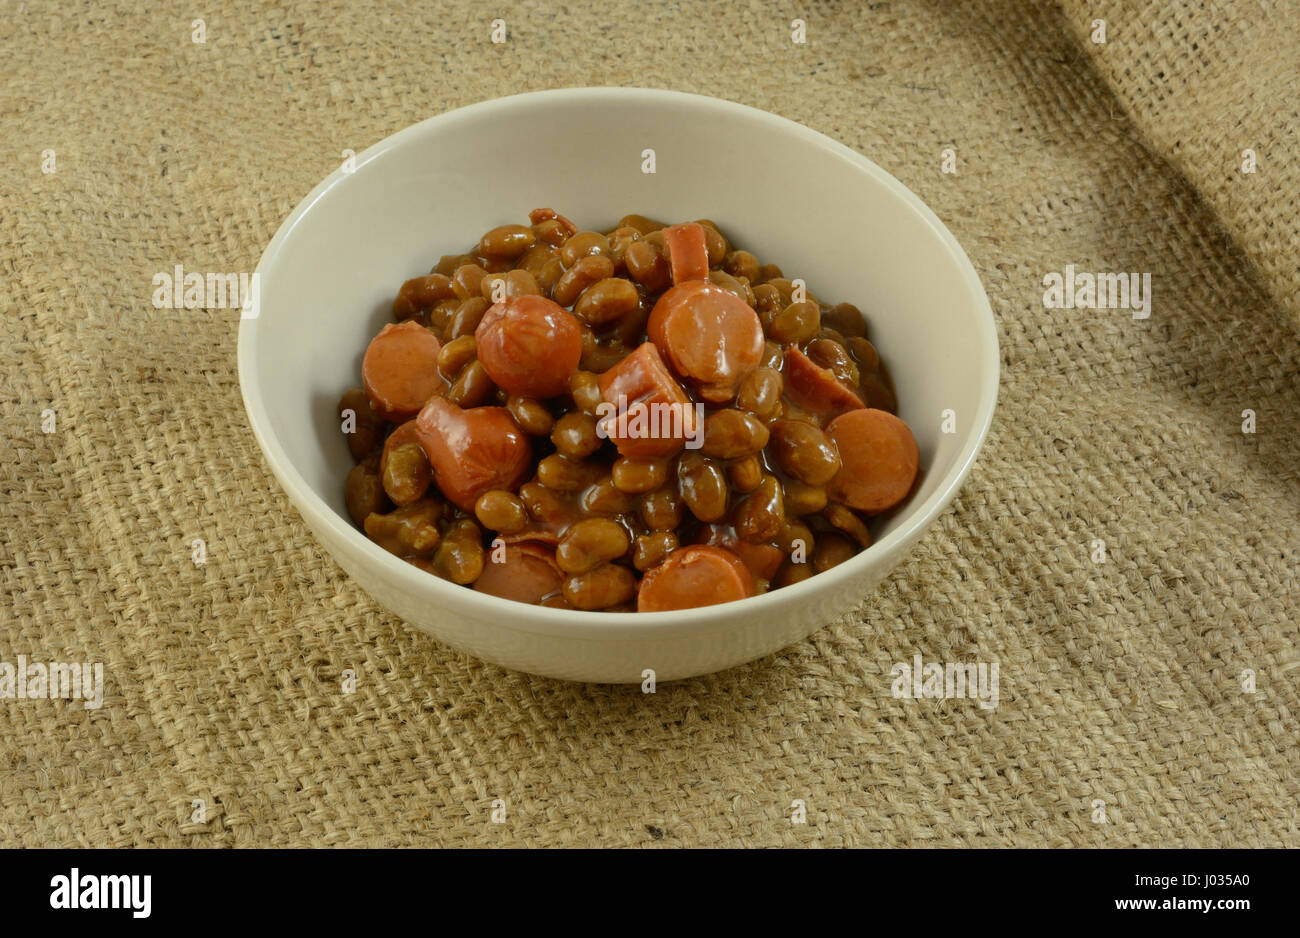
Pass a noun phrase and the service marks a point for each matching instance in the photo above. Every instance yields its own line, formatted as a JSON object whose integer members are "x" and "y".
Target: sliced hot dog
{"x": 638, "y": 385}
{"x": 539, "y": 215}
{"x": 709, "y": 335}
{"x": 529, "y": 346}
{"x": 472, "y": 451}
{"x": 879, "y": 460}
{"x": 815, "y": 388}
{"x": 400, "y": 370}
{"x": 688, "y": 253}
{"x": 700, "y": 575}
{"x": 763, "y": 560}
{"x": 527, "y": 573}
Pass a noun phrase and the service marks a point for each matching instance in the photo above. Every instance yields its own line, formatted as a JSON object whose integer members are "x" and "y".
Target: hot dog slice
{"x": 652, "y": 415}
{"x": 527, "y": 573}
{"x": 400, "y": 370}
{"x": 815, "y": 388}
{"x": 879, "y": 459}
{"x": 529, "y": 346}
{"x": 709, "y": 335}
{"x": 472, "y": 451}
{"x": 701, "y": 575}
{"x": 763, "y": 560}
{"x": 688, "y": 253}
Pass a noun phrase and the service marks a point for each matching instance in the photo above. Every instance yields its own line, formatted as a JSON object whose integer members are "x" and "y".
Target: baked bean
{"x": 700, "y": 575}
{"x": 844, "y": 519}
{"x": 773, "y": 356}
{"x": 796, "y": 324}
{"x": 760, "y": 392}
{"x": 467, "y": 317}
{"x": 410, "y": 530}
{"x": 420, "y": 294}
{"x": 619, "y": 239}
{"x": 767, "y": 300}
{"x": 877, "y": 392}
{"x": 539, "y": 215}
{"x": 605, "y": 586}
{"x": 544, "y": 505}
{"x": 795, "y": 539}
{"x": 604, "y": 498}
{"x": 879, "y": 456}
{"x": 364, "y": 493}
{"x": 792, "y": 573}
{"x": 647, "y": 265}
{"x": 846, "y": 319}
{"x": 741, "y": 264}
{"x": 364, "y": 428}
{"x": 507, "y": 242}
{"x": 715, "y": 242}
{"x": 549, "y": 276}
{"x": 521, "y": 283}
{"x": 536, "y": 257}
{"x": 661, "y": 509}
{"x": 804, "y": 451}
{"x": 455, "y": 355}
{"x": 406, "y": 475}
{"x": 531, "y": 415}
{"x": 551, "y": 232}
{"x": 745, "y": 474}
{"x": 459, "y": 557}
{"x": 729, "y": 283}
{"x": 562, "y": 474}
{"x": 575, "y": 435}
{"x": 702, "y": 485}
{"x": 640, "y": 223}
{"x": 502, "y": 511}
{"x": 585, "y": 388}
{"x": 581, "y": 275}
{"x": 635, "y": 476}
{"x": 733, "y": 434}
{"x": 831, "y": 551}
{"x": 835, "y": 358}
{"x": 597, "y": 356}
{"x": 607, "y": 300}
{"x": 467, "y": 281}
{"x": 590, "y": 543}
{"x": 803, "y": 499}
{"x": 449, "y": 262}
{"x": 581, "y": 245}
{"x": 761, "y": 515}
{"x": 864, "y": 353}
{"x": 473, "y": 387}
{"x": 650, "y": 550}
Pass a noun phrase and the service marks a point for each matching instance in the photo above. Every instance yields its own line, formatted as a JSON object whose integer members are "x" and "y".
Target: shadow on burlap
{"x": 1119, "y": 682}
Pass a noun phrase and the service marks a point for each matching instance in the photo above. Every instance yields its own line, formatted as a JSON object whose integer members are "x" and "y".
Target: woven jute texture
{"x": 1126, "y": 713}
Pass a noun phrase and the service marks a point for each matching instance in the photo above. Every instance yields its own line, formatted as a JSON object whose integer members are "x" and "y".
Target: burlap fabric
{"x": 1121, "y": 683}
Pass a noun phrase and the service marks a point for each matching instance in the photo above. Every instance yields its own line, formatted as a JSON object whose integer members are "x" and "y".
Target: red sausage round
{"x": 472, "y": 451}
{"x": 527, "y": 573}
{"x": 400, "y": 370}
{"x": 529, "y": 346}
{"x": 708, "y": 335}
{"x": 642, "y": 381}
{"x": 815, "y": 388}
{"x": 688, "y": 253}
{"x": 695, "y": 576}
{"x": 878, "y": 457}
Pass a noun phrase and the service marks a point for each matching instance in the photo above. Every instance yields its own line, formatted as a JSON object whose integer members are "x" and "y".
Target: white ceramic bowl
{"x": 791, "y": 195}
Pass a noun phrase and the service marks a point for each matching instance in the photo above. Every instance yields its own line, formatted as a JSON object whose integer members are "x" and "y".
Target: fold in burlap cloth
{"x": 1121, "y": 683}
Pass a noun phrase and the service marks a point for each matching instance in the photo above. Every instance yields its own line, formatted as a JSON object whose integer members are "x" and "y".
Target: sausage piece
{"x": 529, "y": 346}
{"x": 709, "y": 335}
{"x": 400, "y": 370}
{"x": 815, "y": 388}
{"x": 639, "y": 385}
{"x": 688, "y": 252}
{"x": 472, "y": 451}
{"x": 527, "y": 574}
{"x": 701, "y": 575}
{"x": 879, "y": 457}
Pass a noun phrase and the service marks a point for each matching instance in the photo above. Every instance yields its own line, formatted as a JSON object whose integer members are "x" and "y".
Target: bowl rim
{"x": 450, "y": 597}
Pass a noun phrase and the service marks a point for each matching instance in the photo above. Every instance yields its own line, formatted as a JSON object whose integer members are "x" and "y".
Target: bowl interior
{"x": 791, "y": 196}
